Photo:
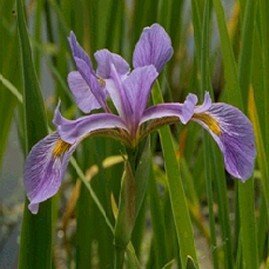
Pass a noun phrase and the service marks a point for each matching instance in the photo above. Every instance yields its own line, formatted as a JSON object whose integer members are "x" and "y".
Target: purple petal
{"x": 137, "y": 87}
{"x": 233, "y": 132}
{"x": 92, "y": 81}
{"x": 78, "y": 52}
{"x": 188, "y": 107}
{"x": 118, "y": 94}
{"x": 205, "y": 105}
{"x": 105, "y": 58}
{"x": 183, "y": 111}
{"x": 72, "y": 131}
{"x": 44, "y": 170}
{"x": 82, "y": 93}
{"x": 153, "y": 47}
{"x": 162, "y": 111}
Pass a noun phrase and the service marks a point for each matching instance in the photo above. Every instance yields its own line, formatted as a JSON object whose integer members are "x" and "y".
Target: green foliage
{"x": 188, "y": 213}
{"x": 36, "y": 232}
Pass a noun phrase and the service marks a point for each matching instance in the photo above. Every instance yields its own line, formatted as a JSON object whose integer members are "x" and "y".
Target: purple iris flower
{"x": 129, "y": 91}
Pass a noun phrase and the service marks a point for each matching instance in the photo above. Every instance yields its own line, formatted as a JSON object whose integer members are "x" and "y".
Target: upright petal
{"x": 118, "y": 94}
{"x": 183, "y": 112}
{"x": 233, "y": 132}
{"x": 105, "y": 58}
{"x": 188, "y": 107}
{"x": 44, "y": 169}
{"x": 82, "y": 93}
{"x": 205, "y": 105}
{"x": 73, "y": 131}
{"x": 153, "y": 47}
{"x": 95, "y": 86}
{"x": 78, "y": 52}
{"x": 137, "y": 87}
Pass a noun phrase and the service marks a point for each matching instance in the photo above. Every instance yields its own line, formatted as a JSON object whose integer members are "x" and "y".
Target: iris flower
{"x": 129, "y": 91}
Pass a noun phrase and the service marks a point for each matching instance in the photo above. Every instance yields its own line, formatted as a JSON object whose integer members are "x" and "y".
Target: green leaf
{"x": 11, "y": 88}
{"x": 245, "y": 57}
{"x": 178, "y": 200}
{"x": 205, "y": 84}
{"x": 35, "y": 244}
{"x": 234, "y": 88}
{"x": 262, "y": 160}
{"x": 264, "y": 36}
{"x": 130, "y": 249}
{"x": 160, "y": 243}
{"x": 190, "y": 263}
{"x": 9, "y": 55}
{"x": 246, "y": 191}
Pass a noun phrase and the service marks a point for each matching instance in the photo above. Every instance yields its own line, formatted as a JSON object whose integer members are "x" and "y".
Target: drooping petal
{"x": 153, "y": 47}
{"x": 78, "y": 52}
{"x": 84, "y": 97}
{"x": 44, "y": 169}
{"x": 137, "y": 87}
{"x": 72, "y": 131}
{"x": 182, "y": 111}
{"x": 94, "y": 85}
{"x": 105, "y": 58}
{"x": 233, "y": 132}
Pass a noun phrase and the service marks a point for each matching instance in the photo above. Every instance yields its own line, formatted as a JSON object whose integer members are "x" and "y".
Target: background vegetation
{"x": 220, "y": 46}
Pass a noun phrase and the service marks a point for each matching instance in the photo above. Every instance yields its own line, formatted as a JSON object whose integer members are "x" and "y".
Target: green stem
{"x": 122, "y": 238}
{"x": 132, "y": 153}
{"x": 133, "y": 188}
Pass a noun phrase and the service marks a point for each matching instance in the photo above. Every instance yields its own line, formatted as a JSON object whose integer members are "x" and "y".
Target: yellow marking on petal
{"x": 101, "y": 82}
{"x": 60, "y": 148}
{"x": 212, "y": 123}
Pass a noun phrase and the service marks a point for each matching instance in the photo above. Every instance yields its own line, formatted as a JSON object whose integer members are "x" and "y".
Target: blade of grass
{"x": 9, "y": 53}
{"x": 197, "y": 25}
{"x": 245, "y": 191}
{"x": 206, "y": 84}
{"x": 139, "y": 228}
{"x": 115, "y": 24}
{"x": 7, "y": 107}
{"x": 37, "y": 33}
{"x": 264, "y": 36}
{"x": 244, "y": 70}
{"x": 217, "y": 168}
{"x": 160, "y": 243}
{"x": 92, "y": 193}
{"x": 36, "y": 233}
{"x": 178, "y": 200}
{"x": 82, "y": 177}
{"x": 164, "y": 13}
{"x": 262, "y": 160}
{"x": 261, "y": 128}
{"x": 232, "y": 88}
{"x": 11, "y": 88}
{"x": 144, "y": 13}
{"x": 222, "y": 198}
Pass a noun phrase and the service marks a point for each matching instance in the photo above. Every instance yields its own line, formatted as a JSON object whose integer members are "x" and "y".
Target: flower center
{"x": 60, "y": 148}
{"x": 212, "y": 124}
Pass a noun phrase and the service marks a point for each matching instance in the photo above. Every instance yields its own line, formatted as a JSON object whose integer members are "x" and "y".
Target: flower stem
{"x": 132, "y": 194}
{"x": 127, "y": 210}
